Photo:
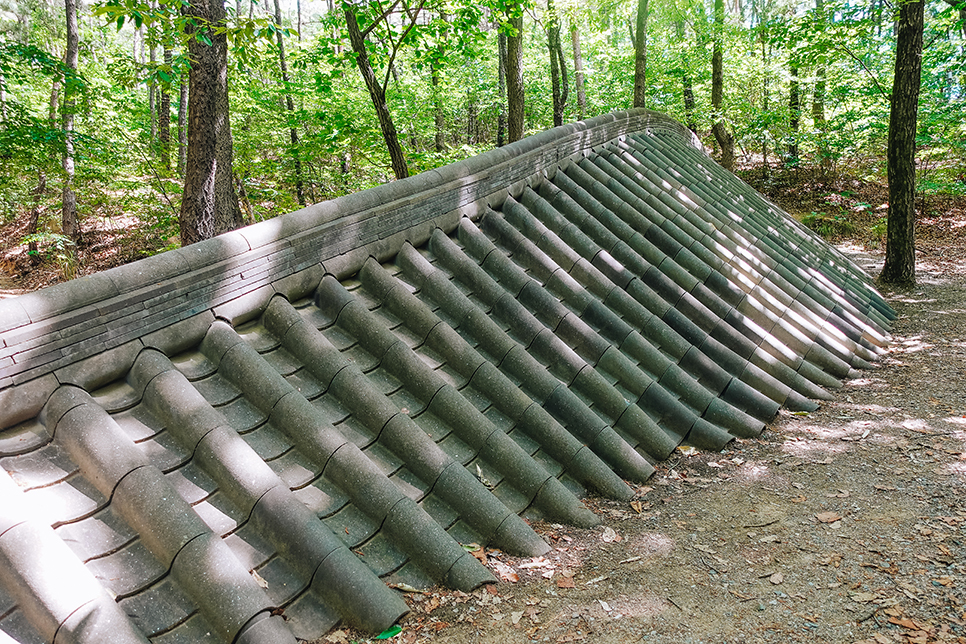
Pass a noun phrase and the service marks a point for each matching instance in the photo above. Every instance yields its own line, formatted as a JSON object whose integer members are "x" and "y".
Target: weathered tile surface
{"x": 292, "y": 416}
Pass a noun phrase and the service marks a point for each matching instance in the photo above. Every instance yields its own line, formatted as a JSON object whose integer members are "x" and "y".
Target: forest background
{"x": 796, "y": 88}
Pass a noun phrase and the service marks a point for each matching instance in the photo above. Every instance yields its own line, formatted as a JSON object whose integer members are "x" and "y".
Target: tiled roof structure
{"x": 251, "y": 438}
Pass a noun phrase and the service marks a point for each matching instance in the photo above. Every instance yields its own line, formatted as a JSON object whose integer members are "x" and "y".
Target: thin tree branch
{"x": 867, "y": 70}
{"x": 398, "y": 44}
{"x": 383, "y": 16}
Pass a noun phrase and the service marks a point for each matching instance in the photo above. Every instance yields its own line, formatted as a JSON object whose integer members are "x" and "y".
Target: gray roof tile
{"x": 546, "y": 317}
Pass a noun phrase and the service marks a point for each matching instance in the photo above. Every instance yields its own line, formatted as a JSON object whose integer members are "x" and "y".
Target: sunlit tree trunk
{"x": 378, "y": 95}
{"x": 640, "y": 56}
{"x": 209, "y": 205}
{"x": 69, "y": 223}
{"x": 900, "y": 261}
{"x": 153, "y": 88}
{"x": 514, "y": 77}
{"x": 578, "y": 71}
{"x": 724, "y": 137}
{"x": 290, "y": 106}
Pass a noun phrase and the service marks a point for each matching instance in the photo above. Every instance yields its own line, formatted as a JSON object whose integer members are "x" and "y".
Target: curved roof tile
{"x": 252, "y": 438}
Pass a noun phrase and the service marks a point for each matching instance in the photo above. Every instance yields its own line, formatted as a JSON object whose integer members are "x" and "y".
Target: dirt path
{"x": 844, "y": 525}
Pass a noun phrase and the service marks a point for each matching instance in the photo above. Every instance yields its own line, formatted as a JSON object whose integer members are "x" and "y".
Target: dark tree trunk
{"x": 900, "y": 261}
{"x": 640, "y": 56}
{"x": 33, "y": 223}
{"x": 689, "y": 102}
{"x": 514, "y": 78}
{"x": 794, "y": 114}
{"x": 378, "y": 95}
{"x": 560, "y": 85}
{"x": 69, "y": 224}
{"x": 164, "y": 118}
{"x": 290, "y": 106}
{"x": 438, "y": 120}
{"x": 209, "y": 205}
{"x": 182, "y": 124}
{"x": 724, "y": 137}
{"x": 578, "y": 71}
{"x": 501, "y": 119}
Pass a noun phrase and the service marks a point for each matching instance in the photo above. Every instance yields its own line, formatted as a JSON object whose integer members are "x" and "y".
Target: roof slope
{"x": 251, "y": 438}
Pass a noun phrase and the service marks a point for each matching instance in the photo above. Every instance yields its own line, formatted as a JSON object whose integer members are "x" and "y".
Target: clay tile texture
{"x": 256, "y": 438}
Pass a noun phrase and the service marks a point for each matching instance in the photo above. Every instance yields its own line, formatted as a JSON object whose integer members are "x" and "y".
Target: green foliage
{"x": 340, "y": 145}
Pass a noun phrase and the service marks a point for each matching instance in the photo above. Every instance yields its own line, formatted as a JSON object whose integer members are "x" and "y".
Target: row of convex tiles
{"x": 285, "y": 474}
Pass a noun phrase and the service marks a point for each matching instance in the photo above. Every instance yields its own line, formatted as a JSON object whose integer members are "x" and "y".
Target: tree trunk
{"x": 900, "y": 261}
{"x": 818, "y": 101}
{"x": 560, "y": 85}
{"x": 501, "y": 118}
{"x": 794, "y": 114}
{"x": 69, "y": 223}
{"x": 578, "y": 71}
{"x": 182, "y": 125}
{"x": 33, "y": 223}
{"x": 378, "y": 95}
{"x": 164, "y": 118}
{"x": 640, "y": 56}
{"x": 689, "y": 102}
{"x": 438, "y": 120}
{"x": 290, "y": 106}
{"x": 514, "y": 77}
{"x": 153, "y": 89}
{"x": 724, "y": 137}
{"x": 209, "y": 205}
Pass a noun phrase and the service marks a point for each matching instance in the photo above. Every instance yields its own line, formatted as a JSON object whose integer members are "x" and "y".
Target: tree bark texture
{"x": 724, "y": 137}
{"x": 560, "y": 85}
{"x": 578, "y": 71}
{"x": 794, "y": 113}
{"x": 209, "y": 205}
{"x": 514, "y": 79}
{"x": 290, "y": 107}
{"x": 900, "y": 261}
{"x": 438, "y": 121}
{"x": 182, "y": 124}
{"x": 501, "y": 82}
{"x": 378, "y": 95}
{"x": 69, "y": 224}
{"x": 640, "y": 56}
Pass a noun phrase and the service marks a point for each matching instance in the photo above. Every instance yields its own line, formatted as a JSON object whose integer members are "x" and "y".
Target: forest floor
{"x": 847, "y": 524}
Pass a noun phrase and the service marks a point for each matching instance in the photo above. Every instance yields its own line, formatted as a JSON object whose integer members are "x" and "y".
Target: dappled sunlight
{"x": 752, "y": 472}
{"x": 956, "y": 470}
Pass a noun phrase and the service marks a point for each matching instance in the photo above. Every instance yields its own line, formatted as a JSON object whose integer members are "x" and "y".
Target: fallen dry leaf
{"x": 505, "y": 572}
{"x": 828, "y": 517}
{"x": 610, "y": 535}
{"x": 565, "y": 582}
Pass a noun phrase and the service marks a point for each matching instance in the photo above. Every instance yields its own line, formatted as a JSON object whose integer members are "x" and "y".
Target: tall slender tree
{"x": 560, "y": 86}
{"x": 723, "y": 135}
{"x": 289, "y": 105}
{"x": 640, "y": 56}
{"x": 900, "y": 261}
{"x": 69, "y": 224}
{"x": 514, "y": 72}
{"x": 578, "y": 69}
